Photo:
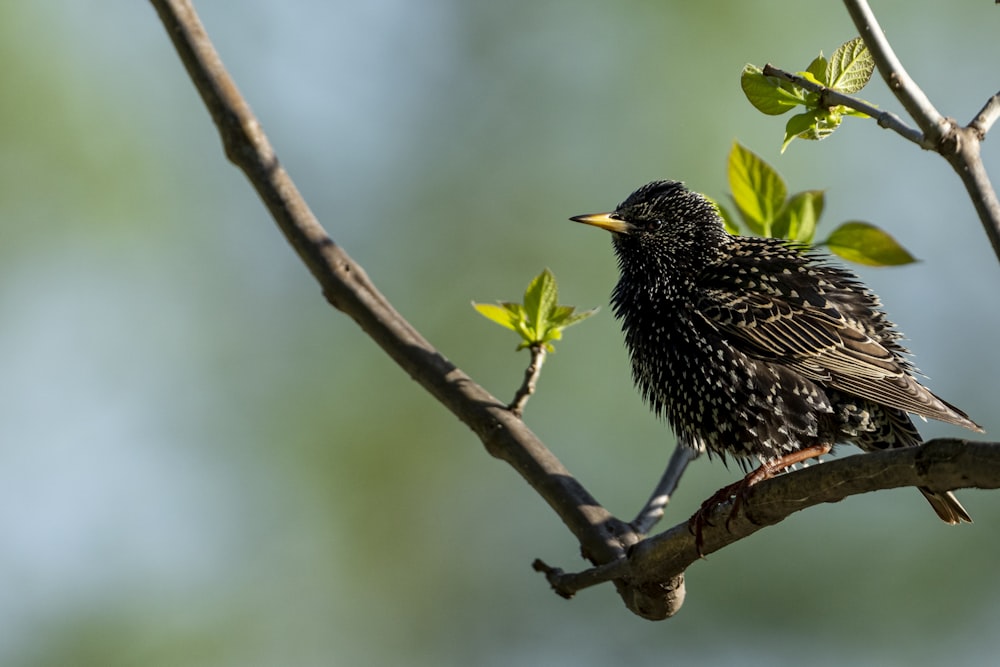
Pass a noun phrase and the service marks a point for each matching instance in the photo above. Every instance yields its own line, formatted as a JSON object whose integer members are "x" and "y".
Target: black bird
{"x": 758, "y": 348}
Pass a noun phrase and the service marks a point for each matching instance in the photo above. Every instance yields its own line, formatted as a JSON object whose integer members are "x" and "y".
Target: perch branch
{"x": 939, "y": 464}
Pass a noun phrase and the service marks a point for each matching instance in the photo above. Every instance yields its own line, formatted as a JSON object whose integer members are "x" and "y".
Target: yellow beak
{"x": 604, "y": 221}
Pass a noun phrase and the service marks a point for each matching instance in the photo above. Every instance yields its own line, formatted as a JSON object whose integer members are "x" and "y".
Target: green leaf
{"x": 813, "y": 125}
{"x": 798, "y": 124}
{"x": 560, "y": 314}
{"x": 539, "y": 320}
{"x": 826, "y": 123}
{"x": 566, "y": 316}
{"x": 539, "y": 301}
{"x": 850, "y": 67}
{"x": 797, "y": 219}
{"x": 502, "y": 314}
{"x": 768, "y": 94}
{"x": 758, "y": 191}
{"x": 817, "y": 69}
{"x": 865, "y": 243}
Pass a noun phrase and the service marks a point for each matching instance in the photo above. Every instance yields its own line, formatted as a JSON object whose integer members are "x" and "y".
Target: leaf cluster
{"x": 539, "y": 319}
{"x": 761, "y": 198}
{"x": 847, "y": 71}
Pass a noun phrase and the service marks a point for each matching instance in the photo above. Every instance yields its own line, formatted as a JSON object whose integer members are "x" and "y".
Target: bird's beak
{"x": 604, "y": 221}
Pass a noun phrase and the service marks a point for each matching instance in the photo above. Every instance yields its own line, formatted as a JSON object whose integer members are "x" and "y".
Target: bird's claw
{"x": 701, "y": 518}
{"x": 739, "y": 491}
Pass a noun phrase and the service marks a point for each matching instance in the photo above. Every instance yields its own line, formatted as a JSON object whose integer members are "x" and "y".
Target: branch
{"x": 652, "y": 511}
{"x": 940, "y": 464}
{"x": 531, "y": 375}
{"x": 986, "y": 117}
{"x": 346, "y": 286}
{"x": 960, "y": 146}
{"x": 909, "y": 94}
{"x": 831, "y": 97}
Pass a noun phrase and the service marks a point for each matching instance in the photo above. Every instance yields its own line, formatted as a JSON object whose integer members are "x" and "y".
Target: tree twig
{"x": 831, "y": 97}
{"x": 652, "y": 511}
{"x": 986, "y": 117}
{"x": 531, "y": 375}
{"x": 913, "y": 99}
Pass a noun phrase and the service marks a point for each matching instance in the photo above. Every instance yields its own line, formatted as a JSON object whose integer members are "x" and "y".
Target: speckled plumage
{"x": 755, "y": 348}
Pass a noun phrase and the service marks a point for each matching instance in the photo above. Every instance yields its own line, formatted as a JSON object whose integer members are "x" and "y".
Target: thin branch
{"x": 652, "y": 511}
{"x": 938, "y": 464}
{"x": 531, "y": 375}
{"x": 931, "y": 122}
{"x": 963, "y": 153}
{"x": 831, "y": 97}
{"x": 986, "y": 117}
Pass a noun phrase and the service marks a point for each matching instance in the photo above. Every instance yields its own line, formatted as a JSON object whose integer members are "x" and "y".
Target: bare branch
{"x": 986, "y": 117}
{"x": 913, "y": 99}
{"x": 531, "y": 375}
{"x": 940, "y": 464}
{"x": 831, "y": 97}
{"x": 652, "y": 511}
{"x": 963, "y": 153}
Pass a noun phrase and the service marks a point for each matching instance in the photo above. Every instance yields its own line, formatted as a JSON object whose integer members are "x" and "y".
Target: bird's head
{"x": 665, "y": 224}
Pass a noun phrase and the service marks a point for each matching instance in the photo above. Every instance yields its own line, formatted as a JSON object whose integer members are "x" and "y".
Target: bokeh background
{"x": 203, "y": 464}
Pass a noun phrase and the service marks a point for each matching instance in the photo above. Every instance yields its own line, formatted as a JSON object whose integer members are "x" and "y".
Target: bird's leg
{"x": 769, "y": 469}
{"x": 740, "y": 490}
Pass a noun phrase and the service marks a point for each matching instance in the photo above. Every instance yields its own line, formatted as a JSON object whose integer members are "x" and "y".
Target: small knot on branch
{"x": 555, "y": 576}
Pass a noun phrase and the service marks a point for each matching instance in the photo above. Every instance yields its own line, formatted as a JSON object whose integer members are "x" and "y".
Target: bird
{"x": 759, "y": 349}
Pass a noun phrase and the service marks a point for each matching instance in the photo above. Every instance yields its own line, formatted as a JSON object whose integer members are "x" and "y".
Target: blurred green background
{"x": 203, "y": 464}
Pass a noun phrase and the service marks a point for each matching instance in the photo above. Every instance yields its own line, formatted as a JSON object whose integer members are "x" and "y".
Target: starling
{"x": 758, "y": 348}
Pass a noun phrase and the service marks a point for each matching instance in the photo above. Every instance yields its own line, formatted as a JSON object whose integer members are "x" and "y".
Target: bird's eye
{"x": 653, "y": 225}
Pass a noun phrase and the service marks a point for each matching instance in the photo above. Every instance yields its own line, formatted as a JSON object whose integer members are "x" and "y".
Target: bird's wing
{"x": 815, "y": 338}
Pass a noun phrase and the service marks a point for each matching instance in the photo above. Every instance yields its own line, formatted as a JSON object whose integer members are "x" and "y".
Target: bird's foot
{"x": 700, "y": 519}
{"x": 739, "y": 491}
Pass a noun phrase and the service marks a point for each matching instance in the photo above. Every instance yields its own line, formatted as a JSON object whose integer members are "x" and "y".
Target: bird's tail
{"x": 950, "y": 414}
{"x": 946, "y": 506}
